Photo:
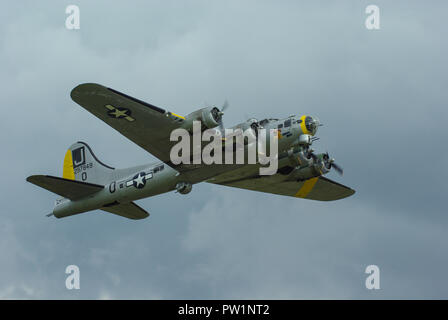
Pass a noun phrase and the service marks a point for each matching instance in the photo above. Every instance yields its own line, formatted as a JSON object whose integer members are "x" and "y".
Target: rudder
{"x": 81, "y": 164}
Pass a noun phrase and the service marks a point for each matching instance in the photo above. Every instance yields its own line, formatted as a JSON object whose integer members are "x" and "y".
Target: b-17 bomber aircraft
{"x": 88, "y": 184}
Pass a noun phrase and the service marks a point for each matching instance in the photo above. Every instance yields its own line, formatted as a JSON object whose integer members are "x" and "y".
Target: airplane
{"x": 88, "y": 184}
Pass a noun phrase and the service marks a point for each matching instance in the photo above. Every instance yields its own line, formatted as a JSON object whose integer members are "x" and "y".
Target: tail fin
{"x": 80, "y": 164}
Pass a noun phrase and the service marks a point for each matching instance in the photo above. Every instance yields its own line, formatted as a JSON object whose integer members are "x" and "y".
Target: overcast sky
{"x": 381, "y": 95}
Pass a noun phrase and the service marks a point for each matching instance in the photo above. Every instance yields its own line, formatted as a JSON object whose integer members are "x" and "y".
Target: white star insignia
{"x": 140, "y": 180}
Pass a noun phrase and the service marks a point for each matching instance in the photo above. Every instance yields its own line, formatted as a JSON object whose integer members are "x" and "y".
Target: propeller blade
{"x": 225, "y": 105}
{"x": 337, "y": 168}
{"x": 221, "y": 113}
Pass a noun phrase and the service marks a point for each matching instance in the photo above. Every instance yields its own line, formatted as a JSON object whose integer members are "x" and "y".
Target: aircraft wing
{"x": 319, "y": 188}
{"x": 144, "y": 124}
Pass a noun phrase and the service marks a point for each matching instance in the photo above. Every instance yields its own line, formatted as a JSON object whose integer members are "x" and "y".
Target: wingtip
{"x": 84, "y": 87}
{"x": 33, "y": 178}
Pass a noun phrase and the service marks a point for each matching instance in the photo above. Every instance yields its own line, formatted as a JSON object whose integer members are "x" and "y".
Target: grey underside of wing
{"x": 69, "y": 189}
{"x": 146, "y": 125}
{"x": 129, "y": 210}
{"x": 321, "y": 188}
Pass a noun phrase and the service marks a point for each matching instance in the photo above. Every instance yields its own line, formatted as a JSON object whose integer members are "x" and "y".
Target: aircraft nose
{"x": 313, "y": 124}
{"x": 309, "y": 124}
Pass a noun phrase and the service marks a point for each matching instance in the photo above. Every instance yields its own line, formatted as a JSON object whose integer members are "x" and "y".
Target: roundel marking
{"x": 139, "y": 180}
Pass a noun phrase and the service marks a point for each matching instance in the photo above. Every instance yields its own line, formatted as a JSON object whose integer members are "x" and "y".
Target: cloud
{"x": 279, "y": 249}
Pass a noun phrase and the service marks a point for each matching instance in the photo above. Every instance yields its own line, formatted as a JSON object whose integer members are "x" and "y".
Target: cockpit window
{"x": 288, "y": 123}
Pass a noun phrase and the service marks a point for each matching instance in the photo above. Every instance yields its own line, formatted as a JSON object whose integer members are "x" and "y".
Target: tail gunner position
{"x": 88, "y": 184}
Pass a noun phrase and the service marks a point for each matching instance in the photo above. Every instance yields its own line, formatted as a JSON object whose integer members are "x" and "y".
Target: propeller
{"x": 337, "y": 168}
{"x": 334, "y": 165}
{"x": 328, "y": 162}
{"x": 220, "y": 114}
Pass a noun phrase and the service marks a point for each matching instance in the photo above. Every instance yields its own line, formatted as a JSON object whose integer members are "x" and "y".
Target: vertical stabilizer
{"x": 81, "y": 164}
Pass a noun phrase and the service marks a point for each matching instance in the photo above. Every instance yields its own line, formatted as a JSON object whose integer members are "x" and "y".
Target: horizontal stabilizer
{"x": 66, "y": 188}
{"x": 128, "y": 210}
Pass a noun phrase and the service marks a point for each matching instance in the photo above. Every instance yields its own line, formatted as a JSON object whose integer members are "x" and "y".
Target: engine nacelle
{"x": 305, "y": 173}
{"x": 249, "y": 129}
{"x": 317, "y": 166}
{"x": 299, "y": 157}
{"x": 209, "y": 117}
{"x": 183, "y": 187}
